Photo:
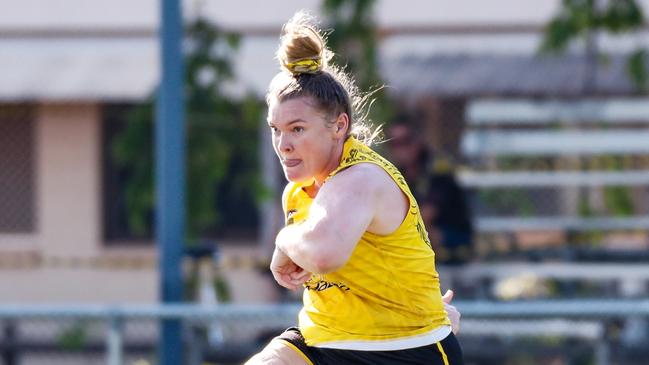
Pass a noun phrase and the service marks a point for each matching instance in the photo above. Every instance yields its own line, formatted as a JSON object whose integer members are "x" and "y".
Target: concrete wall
{"x": 65, "y": 260}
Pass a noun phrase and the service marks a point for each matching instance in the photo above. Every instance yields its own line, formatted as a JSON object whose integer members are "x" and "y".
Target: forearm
{"x": 304, "y": 248}
{"x": 338, "y": 217}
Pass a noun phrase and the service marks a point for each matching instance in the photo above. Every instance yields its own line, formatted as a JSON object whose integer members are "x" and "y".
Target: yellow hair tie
{"x": 304, "y": 66}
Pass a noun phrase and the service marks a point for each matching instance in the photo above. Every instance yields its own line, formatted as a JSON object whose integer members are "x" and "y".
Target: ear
{"x": 341, "y": 126}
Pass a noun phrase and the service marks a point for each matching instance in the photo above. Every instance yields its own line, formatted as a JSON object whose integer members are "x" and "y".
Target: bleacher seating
{"x": 556, "y": 130}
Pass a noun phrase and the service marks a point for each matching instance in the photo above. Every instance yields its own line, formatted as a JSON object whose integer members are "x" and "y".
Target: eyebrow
{"x": 291, "y": 122}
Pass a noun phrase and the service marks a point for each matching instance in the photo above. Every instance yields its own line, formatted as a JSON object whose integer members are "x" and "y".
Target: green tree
{"x": 222, "y": 136}
{"x": 354, "y": 39}
{"x": 582, "y": 19}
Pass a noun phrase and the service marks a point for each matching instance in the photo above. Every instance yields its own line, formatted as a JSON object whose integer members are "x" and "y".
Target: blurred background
{"x": 521, "y": 125}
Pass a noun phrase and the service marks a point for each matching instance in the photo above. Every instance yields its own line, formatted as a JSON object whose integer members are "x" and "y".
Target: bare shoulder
{"x": 368, "y": 187}
{"x": 390, "y": 204}
{"x": 366, "y": 173}
{"x": 366, "y": 181}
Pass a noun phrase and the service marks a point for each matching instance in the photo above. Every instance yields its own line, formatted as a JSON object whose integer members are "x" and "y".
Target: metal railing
{"x": 531, "y": 311}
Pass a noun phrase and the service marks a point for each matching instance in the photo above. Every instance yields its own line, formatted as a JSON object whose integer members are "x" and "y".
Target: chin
{"x": 296, "y": 178}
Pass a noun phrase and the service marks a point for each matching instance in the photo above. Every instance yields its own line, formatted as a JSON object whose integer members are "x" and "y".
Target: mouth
{"x": 291, "y": 162}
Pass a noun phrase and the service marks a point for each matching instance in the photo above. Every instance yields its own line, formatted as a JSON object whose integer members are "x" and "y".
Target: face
{"x": 308, "y": 145}
{"x": 403, "y": 147}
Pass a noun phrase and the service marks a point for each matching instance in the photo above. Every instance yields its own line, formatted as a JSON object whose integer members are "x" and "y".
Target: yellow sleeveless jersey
{"x": 387, "y": 296}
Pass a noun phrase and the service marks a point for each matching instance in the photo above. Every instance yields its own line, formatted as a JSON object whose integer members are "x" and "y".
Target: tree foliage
{"x": 580, "y": 19}
{"x": 354, "y": 40}
{"x": 222, "y": 136}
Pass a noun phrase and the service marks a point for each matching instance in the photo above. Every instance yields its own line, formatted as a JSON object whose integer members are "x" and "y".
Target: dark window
{"x": 17, "y": 165}
{"x": 235, "y": 200}
{"x": 114, "y": 176}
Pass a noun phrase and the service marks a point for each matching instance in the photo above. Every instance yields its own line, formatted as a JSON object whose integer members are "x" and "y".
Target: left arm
{"x": 341, "y": 212}
{"x": 453, "y": 314}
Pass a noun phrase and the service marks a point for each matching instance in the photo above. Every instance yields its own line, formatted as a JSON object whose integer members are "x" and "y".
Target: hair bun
{"x": 302, "y": 48}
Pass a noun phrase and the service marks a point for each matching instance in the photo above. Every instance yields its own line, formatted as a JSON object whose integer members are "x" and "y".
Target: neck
{"x": 333, "y": 163}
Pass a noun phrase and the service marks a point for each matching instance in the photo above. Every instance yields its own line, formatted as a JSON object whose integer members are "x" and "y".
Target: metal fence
{"x": 227, "y": 334}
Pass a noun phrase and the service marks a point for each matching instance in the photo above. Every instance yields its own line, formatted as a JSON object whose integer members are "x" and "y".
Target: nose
{"x": 284, "y": 144}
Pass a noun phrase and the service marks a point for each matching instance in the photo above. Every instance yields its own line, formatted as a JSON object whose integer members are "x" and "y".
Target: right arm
{"x": 284, "y": 270}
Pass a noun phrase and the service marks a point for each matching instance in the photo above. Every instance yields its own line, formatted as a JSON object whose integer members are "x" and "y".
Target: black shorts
{"x": 445, "y": 352}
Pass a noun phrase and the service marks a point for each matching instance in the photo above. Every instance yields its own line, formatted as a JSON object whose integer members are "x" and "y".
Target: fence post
{"x": 602, "y": 351}
{"x": 115, "y": 340}
{"x": 170, "y": 175}
{"x": 10, "y": 352}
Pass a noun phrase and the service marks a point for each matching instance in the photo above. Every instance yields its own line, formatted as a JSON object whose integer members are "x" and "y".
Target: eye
{"x": 298, "y": 129}
{"x": 273, "y": 128}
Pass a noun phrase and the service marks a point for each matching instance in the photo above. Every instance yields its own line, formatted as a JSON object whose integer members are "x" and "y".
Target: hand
{"x": 286, "y": 272}
{"x": 453, "y": 314}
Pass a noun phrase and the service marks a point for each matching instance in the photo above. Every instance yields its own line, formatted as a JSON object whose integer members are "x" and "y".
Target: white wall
{"x": 65, "y": 260}
{"x": 98, "y": 14}
{"x": 74, "y": 64}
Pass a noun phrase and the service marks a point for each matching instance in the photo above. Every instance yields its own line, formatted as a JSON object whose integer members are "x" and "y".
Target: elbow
{"x": 325, "y": 262}
{"x": 322, "y": 266}
{"x": 324, "y": 257}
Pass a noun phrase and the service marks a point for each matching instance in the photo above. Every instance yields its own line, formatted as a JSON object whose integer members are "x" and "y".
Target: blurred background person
{"x": 442, "y": 201}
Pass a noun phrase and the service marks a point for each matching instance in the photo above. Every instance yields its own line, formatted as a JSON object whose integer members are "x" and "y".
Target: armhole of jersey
{"x": 410, "y": 198}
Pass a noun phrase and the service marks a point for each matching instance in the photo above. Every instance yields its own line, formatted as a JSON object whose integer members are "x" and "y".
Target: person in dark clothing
{"x": 442, "y": 201}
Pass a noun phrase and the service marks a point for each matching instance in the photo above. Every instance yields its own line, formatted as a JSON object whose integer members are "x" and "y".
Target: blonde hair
{"x": 307, "y": 71}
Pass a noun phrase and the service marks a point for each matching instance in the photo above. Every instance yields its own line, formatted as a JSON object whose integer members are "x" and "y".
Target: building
{"x": 67, "y": 64}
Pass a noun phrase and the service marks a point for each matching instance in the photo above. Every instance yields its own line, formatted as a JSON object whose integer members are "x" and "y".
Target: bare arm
{"x": 453, "y": 314}
{"x": 342, "y": 211}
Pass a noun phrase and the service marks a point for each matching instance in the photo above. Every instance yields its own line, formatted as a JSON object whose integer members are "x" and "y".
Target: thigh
{"x": 279, "y": 352}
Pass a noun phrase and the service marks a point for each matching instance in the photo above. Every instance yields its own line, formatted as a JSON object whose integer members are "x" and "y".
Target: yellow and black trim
{"x": 441, "y": 351}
